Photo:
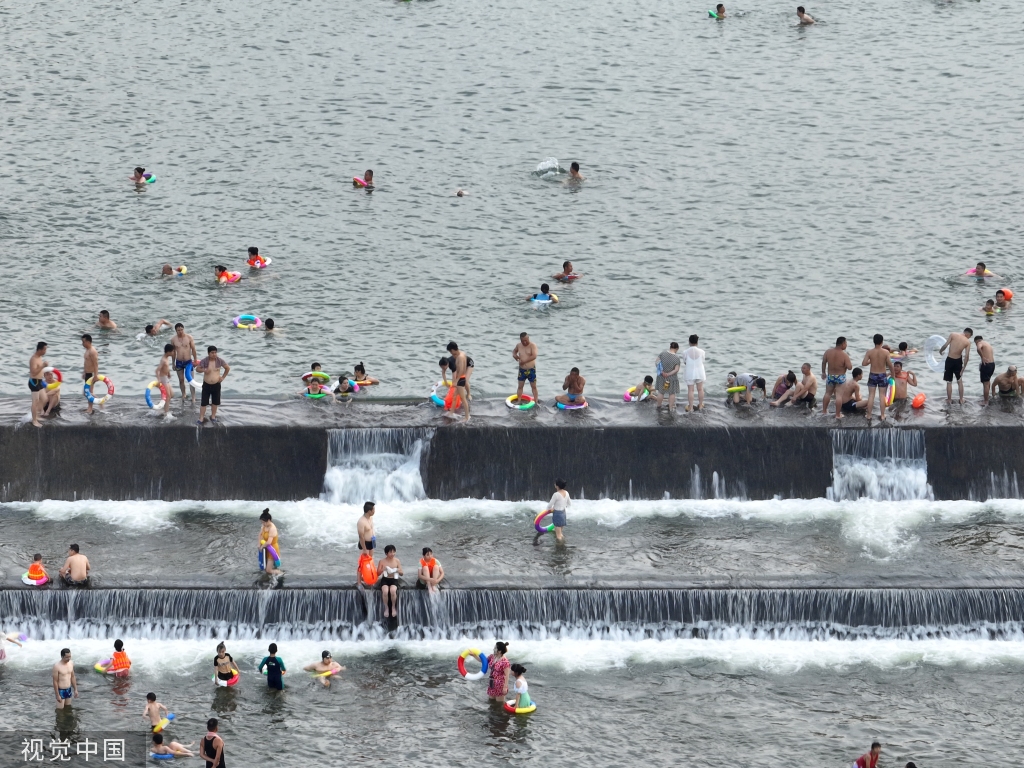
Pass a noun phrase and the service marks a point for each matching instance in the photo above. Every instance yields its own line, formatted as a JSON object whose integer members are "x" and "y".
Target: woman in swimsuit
{"x": 388, "y": 571}
{"x": 783, "y": 385}
{"x": 498, "y": 669}
{"x": 362, "y": 379}
{"x": 223, "y": 663}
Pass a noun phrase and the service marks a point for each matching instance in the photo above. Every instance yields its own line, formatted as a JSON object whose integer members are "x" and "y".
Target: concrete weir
{"x": 273, "y": 462}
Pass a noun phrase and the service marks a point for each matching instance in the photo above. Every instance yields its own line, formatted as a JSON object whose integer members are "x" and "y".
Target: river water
{"x": 738, "y": 172}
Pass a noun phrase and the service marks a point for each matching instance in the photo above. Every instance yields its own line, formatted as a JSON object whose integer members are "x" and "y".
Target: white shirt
{"x": 694, "y": 357}
{"x": 521, "y": 686}
{"x": 559, "y": 501}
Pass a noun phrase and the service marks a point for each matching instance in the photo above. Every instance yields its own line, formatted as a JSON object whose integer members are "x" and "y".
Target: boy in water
{"x": 224, "y": 664}
{"x": 848, "y": 398}
{"x": 170, "y": 271}
{"x": 275, "y": 668}
{"x": 647, "y": 385}
{"x": 719, "y": 11}
{"x": 153, "y": 710}
{"x": 989, "y": 308}
{"x": 119, "y": 662}
{"x": 155, "y": 328}
{"x": 544, "y": 295}
{"x": 326, "y": 664}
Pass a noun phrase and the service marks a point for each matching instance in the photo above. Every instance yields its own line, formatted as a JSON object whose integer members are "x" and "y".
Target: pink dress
{"x": 497, "y": 667}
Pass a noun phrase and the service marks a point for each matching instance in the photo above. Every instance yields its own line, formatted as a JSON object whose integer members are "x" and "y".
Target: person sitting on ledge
{"x": 75, "y": 571}
{"x": 804, "y": 392}
{"x": 848, "y": 399}
{"x": 431, "y": 571}
{"x": 573, "y": 386}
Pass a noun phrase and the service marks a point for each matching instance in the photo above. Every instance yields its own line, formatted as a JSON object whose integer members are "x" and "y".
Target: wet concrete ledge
{"x": 278, "y": 462}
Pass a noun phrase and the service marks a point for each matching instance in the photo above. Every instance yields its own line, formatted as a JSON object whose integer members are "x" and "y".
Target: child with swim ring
{"x": 255, "y": 260}
{"x": 223, "y": 276}
{"x": 174, "y": 748}
{"x": 36, "y": 572}
{"x": 153, "y": 711}
{"x": 521, "y": 688}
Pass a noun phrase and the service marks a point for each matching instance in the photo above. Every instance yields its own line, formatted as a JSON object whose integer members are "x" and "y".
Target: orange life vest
{"x": 428, "y": 565}
{"x": 119, "y": 661}
{"x": 35, "y": 571}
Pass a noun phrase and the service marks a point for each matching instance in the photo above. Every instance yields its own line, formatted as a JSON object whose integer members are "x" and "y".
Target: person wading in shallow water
{"x": 498, "y": 669}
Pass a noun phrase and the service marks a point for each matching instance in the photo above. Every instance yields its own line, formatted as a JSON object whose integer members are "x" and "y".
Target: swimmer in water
{"x": 544, "y": 295}
{"x": 980, "y": 271}
{"x": 361, "y": 378}
{"x": 153, "y": 710}
{"x": 902, "y": 352}
{"x": 221, "y": 273}
{"x": 1008, "y": 384}
{"x": 848, "y": 399}
{"x": 566, "y": 274}
{"x": 326, "y": 664}
{"x": 155, "y": 328}
{"x": 989, "y": 308}
{"x": 719, "y": 11}
{"x": 574, "y": 173}
{"x": 139, "y": 176}
{"x": 269, "y": 325}
{"x": 174, "y": 748}
{"x": 647, "y": 385}
{"x": 460, "y": 193}
{"x": 255, "y": 260}
{"x": 170, "y": 271}
{"x": 105, "y": 322}
{"x": 805, "y": 18}
{"x": 163, "y": 374}
{"x": 315, "y": 386}
{"x": 367, "y": 179}
{"x": 1001, "y": 301}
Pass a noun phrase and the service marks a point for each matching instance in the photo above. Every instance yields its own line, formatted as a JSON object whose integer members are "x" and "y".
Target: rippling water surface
{"x": 764, "y": 185}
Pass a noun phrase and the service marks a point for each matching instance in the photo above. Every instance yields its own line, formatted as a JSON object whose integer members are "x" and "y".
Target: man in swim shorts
{"x": 563, "y": 276}
{"x": 91, "y": 363}
{"x": 75, "y": 571}
{"x": 525, "y": 353}
{"x": 364, "y": 528}
{"x": 184, "y": 353}
{"x": 155, "y": 328}
{"x": 1007, "y": 384}
{"x": 210, "y": 366}
{"x": 959, "y": 345}
{"x": 105, "y": 322}
{"x": 879, "y": 372}
{"x": 461, "y": 366}
{"x": 163, "y": 373}
{"x": 573, "y": 386}
{"x": 65, "y": 684}
{"x": 848, "y": 398}
{"x": 834, "y": 365}
{"x": 804, "y": 16}
{"x": 36, "y": 385}
{"x": 987, "y": 367}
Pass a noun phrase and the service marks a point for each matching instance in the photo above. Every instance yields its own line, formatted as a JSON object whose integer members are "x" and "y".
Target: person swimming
{"x": 718, "y": 13}
{"x": 574, "y": 173}
{"x": 1002, "y": 300}
{"x": 544, "y": 295}
{"x": 361, "y": 378}
{"x": 367, "y": 180}
{"x": 167, "y": 269}
{"x": 804, "y": 16}
{"x": 567, "y": 273}
{"x": 990, "y": 307}
{"x": 255, "y": 260}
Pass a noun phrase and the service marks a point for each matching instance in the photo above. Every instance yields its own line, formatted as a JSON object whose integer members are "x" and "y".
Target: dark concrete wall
{"x": 619, "y": 462}
{"x": 161, "y": 463}
{"x": 975, "y": 462}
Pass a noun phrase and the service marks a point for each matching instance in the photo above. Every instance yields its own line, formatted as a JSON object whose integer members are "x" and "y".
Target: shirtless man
{"x": 36, "y": 385}
{"x": 91, "y": 368}
{"x": 184, "y": 353}
{"x": 903, "y": 378}
{"x": 805, "y": 18}
{"x": 364, "y": 528}
{"x": 959, "y": 345}
{"x": 574, "y": 173}
{"x": 75, "y": 571}
{"x": 878, "y": 374}
{"x": 65, "y": 684}
{"x": 105, "y": 322}
{"x": 155, "y": 328}
{"x": 163, "y": 373}
{"x": 326, "y": 664}
{"x": 848, "y": 398}
{"x": 1007, "y": 384}
{"x": 563, "y": 276}
{"x": 1001, "y": 301}
{"x": 987, "y": 367}
{"x": 460, "y": 376}
{"x": 525, "y": 353}
{"x": 834, "y": 365}
{"x": 210, "y": 366}
{"x": 804, "y": 392}
{"x": 573, "y": 386}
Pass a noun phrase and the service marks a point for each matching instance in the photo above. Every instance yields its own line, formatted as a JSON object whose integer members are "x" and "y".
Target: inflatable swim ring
{"x": 328, "y": 673}
{"x": 163, "y": 723}
{"x": 150, "y": 178}
{"x": 524, "y": 404}
{"x": 320, "y": 394}
{"x": 164, "y": 395}
{"x": 102, "y": 668}
{"x": 367, "y": 570}
{"x": 890, "y": 392}
{"x": 918, "y": 401}
{"x": 247, "y": 322}
{"x": 932, "y": 345}
{"x": 569, "y": 278}
{"x": 973, "y": 271}
{"x": 95, "y": 380}
{"x": 182, "y": 270}
{"x": 543, "y": 528}
{"x": 189, "y": 372}
{"x": 552, "y": 300}
{"x": 359, "y": 181}
{"x": 572, "y": 406}
{"x": 273, "y": 554}
{"x": 259, "y": 263}
{"x": 226, "y": 683}
{"x": 353, "y": 387}
{"x": 462, "y": 664}
{"x": 629, "y": 397}
{"x": 57, "y": 375}
{"x": 33, "y": 582}
{"x": 730, "y": 390}
{"x": 712, "y": 14}
{"x": 512, "y": 710}
{"x": 435, "y": 398}
{"x": 229, "y": 277}
{"x": 155, "y": 756}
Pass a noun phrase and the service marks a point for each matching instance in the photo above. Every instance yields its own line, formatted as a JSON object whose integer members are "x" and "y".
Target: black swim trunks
{"x": 987, "y": 369}
{"x": 388, "y": 582}
{"x": 850, "y": 406}
{"x": 211, "y": 394}
{"x": 462, "y": 382}
{"x": 36, "y": 385}
{"x": 954, "y": 367}
{"x": 66, "y": 578}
